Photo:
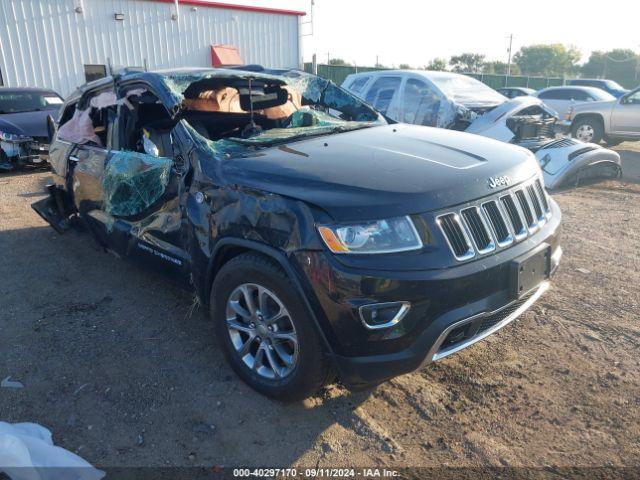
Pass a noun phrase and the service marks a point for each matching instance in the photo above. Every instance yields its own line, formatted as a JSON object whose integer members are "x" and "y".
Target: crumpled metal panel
{"x": 134, "y": 181}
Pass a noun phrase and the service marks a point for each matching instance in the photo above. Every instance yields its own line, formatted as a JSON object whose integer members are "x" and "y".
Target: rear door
{"x": 141, "y": 185}
{"x": 87, "y": 163}
{"x": 625, "y": 116}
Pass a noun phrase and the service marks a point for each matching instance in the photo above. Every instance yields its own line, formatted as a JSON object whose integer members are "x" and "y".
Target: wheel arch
{"x": 597, "y": 116}
{"x": 230, "y": 247}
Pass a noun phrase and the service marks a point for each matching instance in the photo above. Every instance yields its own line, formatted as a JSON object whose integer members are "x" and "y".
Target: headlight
{"x": 12, "y": 137}
{"x": 381, "y": 236}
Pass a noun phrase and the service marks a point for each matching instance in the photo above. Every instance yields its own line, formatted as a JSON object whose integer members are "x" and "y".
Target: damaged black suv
{"x": 323, "y": 238}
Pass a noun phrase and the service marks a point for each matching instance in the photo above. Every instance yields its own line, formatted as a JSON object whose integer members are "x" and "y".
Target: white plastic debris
{"x": 8, "y": 383}
{"x": 27, "y": 452}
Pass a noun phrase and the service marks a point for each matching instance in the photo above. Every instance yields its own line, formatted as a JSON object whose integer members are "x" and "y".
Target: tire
{"x": 254, "y": 276}
{"x": 588, "y": 129}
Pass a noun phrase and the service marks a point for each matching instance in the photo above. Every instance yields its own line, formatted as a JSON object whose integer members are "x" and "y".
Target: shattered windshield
{"x": 467, "y": 90}
{"x": 245, "y": 110}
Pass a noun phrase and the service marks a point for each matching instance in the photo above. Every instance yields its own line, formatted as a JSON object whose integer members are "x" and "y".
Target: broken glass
{"x": 133, "y": 182}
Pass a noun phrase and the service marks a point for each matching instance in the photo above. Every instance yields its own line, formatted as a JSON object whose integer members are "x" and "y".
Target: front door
{"x": 625, "y": 117}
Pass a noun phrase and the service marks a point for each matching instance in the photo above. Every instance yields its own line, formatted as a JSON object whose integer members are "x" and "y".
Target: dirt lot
{"x": 115, "y": 363}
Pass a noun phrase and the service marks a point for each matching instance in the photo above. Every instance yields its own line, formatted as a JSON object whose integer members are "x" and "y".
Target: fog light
{"x": 383, "y": 315}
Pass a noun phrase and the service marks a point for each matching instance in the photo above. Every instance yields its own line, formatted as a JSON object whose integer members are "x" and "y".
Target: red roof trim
{"x": 246, "y": 8}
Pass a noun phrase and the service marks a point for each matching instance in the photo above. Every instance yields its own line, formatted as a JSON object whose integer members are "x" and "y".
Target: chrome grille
{"x": 533, "y": 196}
{"x": 517, "y": 225}
{"x": 498, "y": 223}
{"x": 495, "y": 223}
{"x": 542, "y": 195}
{"x": 525, "y": 208}
{"x": 479, "y": 229}
{"x": 456, "y": 237}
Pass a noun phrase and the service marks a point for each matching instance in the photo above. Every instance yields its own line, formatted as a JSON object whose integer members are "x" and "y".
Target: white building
{"x": 60, "y": 44}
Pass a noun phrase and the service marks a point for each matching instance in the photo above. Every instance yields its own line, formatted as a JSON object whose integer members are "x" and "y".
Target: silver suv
{"x": 614, "y": 121}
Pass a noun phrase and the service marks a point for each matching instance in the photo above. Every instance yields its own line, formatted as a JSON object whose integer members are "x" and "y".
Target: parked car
{"x": 251, "y": 187}
{"x": 608, "y": 86}
{"x": 513, "y": 92}
{"x": 614, "y": 121}
{"x": 561, "y": 98}
{"x": 459, "y": 102}
{"x": 23, "y": 125}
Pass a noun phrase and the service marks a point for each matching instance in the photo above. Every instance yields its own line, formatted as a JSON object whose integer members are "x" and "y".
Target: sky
{"x": 416, "y": 31}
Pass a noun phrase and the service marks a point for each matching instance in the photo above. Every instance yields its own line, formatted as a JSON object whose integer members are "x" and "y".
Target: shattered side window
{"x": 134, "y": 181}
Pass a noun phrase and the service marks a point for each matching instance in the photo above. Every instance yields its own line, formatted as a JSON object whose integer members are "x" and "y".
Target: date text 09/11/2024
{"x": 316, "y": 472}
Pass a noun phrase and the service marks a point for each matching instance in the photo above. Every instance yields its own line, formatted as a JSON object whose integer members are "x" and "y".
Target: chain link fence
{"x": 337, "y": 74}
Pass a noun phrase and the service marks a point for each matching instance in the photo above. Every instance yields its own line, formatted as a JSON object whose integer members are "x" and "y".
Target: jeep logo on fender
{"x": 495, "y": 182}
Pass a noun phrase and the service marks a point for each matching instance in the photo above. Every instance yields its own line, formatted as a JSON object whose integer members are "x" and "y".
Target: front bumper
{"x": 23, "y": 153}
{"x": 473, "y": 296}
{"x": 570, "y": 165}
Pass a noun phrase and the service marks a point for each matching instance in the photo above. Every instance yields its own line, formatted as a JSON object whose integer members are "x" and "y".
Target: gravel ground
{"x": 116, "y": 362}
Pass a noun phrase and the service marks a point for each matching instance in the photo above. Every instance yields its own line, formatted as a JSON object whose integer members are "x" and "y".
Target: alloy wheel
{"x": 262, "y": 331}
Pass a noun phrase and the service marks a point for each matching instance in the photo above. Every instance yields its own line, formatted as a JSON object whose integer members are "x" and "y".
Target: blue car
{"x": 608, "y": 86}
{"x": 24, "y": 138}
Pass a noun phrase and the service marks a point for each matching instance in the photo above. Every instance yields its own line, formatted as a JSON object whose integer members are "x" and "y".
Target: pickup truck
{"x": 613, "y": 121}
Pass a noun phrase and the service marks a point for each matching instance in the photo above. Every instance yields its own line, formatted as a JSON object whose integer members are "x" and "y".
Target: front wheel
{"x": 588, "y": 130}
{"x": 263, "y": 328}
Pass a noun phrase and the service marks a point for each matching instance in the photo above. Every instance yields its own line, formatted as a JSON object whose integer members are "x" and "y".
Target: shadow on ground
{"x": 120, "y": 366}
{"x": 630, "y": 164}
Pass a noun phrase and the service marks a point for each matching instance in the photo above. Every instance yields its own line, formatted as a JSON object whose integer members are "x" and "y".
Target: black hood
{"x": 31, "y": 124}
{"x": 382, "y": 171}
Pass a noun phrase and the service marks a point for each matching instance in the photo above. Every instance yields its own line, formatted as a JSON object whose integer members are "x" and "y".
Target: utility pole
{"x": 328, "y": 57}
{"x": 509, "y": 57}
{"x": 377, "y": 62}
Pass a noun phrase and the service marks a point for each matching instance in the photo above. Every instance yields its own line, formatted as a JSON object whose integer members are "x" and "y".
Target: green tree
{"x": 500, "y": 68}
{"x": 404, "y": 66}
{"x": 437, "y": 65}
{"x": 549, "y": 60}
{"x": 619, "y": 64}
{"x": 467, "y": 62}
{"x": 338, "y": 61}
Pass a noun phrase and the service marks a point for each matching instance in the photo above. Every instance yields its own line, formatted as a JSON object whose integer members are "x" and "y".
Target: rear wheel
{"x": 263, "y": 328}
{"x": 588, "y": 129}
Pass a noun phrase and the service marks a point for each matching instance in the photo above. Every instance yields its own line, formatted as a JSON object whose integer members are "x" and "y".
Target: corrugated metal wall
{"x": 45, "y": 43}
